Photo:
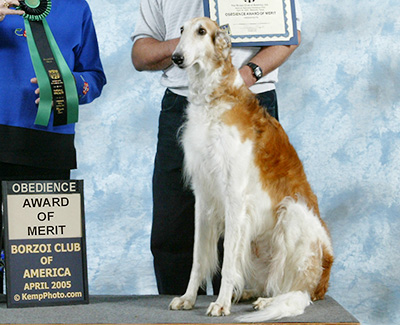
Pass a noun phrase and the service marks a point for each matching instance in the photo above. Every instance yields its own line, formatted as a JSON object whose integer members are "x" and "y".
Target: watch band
{"x": 257, "y": 71}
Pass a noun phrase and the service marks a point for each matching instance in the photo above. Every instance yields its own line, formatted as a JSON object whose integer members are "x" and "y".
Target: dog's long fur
{"x": 250, "y": 188}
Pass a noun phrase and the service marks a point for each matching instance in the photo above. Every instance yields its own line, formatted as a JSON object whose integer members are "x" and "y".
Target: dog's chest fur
{"x": 220, "y": 163}
{"x": 211, "y": 147}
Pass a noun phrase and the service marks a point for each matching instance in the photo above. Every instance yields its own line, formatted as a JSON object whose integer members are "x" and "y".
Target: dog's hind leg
{"x": 298, "y": 246}
{"x": 205, "y": 252}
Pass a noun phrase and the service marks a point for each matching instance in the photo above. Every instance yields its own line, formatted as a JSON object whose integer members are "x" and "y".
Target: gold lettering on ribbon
{"x": 48, "y": 60}
{"x": 54, "y": 74}
{"x": 58, "y": 92}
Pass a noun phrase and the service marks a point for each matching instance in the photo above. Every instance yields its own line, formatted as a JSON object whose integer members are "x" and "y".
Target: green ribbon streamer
{"x": 46, "y": 97}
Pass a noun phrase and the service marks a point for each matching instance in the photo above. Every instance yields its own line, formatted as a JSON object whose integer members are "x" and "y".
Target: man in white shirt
{"x": 155, "y": 38}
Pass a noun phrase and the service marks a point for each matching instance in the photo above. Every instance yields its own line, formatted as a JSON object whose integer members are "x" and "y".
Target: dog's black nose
{"x": 178, "y": 58}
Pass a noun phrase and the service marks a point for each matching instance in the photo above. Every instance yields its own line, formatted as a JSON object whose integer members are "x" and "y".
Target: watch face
{"x": 258, "y": 72}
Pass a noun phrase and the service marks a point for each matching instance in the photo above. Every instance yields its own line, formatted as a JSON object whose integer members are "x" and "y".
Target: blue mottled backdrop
{"x": 339, "y": 98}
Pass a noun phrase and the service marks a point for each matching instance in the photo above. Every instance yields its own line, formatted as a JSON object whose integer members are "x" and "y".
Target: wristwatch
{"x": 257, "y": 72}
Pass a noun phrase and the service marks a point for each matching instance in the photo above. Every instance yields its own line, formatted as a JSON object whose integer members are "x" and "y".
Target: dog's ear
{"x": 222, "y": 43}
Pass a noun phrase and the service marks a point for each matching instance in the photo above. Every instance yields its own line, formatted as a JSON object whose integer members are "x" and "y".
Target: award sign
{"x": 255, "y": 22}
{"x": 45, "y": 246}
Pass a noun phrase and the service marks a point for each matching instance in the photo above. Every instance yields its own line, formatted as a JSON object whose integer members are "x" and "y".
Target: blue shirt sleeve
{"x": 88, "y": 70}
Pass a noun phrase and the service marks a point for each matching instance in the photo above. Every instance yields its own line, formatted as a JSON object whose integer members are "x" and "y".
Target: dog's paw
{"x": 181, "y": 303}
{"x": 262, "y": 303}
{"x": 216, "y": 309}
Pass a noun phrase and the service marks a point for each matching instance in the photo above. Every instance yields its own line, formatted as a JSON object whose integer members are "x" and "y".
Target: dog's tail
{"x": 285, "y": 305}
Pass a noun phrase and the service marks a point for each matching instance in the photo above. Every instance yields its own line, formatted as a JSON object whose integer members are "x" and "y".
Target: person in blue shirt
{"x": 29, "y": 151}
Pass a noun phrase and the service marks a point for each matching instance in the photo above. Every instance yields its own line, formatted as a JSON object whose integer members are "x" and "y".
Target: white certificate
{"x": 255, "y": 22}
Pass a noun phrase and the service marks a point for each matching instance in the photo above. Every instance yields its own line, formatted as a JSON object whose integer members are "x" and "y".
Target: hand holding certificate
{"x": 255, "y": 22}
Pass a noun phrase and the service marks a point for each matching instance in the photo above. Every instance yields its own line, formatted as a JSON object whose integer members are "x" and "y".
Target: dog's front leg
{"x": 205, "y": 253}
{"x": 232, "y": 279}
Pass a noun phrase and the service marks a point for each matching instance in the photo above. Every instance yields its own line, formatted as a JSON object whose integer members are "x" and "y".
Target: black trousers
{"x": 172, "y": 233}
{"x": 12, "y": 172}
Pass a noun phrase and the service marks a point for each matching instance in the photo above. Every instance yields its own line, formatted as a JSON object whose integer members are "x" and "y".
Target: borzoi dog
{"x": 250, "y": 188}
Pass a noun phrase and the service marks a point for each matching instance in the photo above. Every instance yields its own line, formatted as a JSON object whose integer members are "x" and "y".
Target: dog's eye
{"x": 202, "y": 31}
{"x": 181, "y": 29}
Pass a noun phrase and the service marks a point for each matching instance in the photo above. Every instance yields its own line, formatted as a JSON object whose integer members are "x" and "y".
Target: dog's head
{"x": 201, "y": 41}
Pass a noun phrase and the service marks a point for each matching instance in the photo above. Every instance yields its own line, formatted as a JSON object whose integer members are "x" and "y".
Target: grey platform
{"x": 154, "y": 310}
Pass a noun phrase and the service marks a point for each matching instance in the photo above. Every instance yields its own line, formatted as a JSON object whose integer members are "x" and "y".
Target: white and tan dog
{"x": 250, "y": 188}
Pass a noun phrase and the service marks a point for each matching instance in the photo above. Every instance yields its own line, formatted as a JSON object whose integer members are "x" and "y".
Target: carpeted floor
{"x": 154, "y": 309}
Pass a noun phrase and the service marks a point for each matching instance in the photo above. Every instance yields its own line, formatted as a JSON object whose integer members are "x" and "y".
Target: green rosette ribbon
{"x": 56, "y": 82}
